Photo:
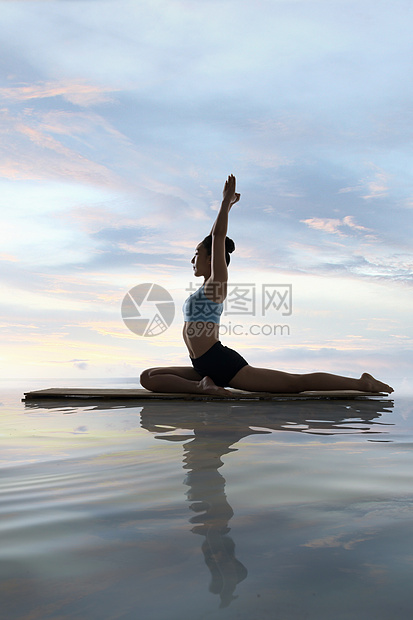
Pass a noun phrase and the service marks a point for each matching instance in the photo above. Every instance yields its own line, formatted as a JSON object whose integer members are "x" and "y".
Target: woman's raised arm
{"x": 230, "y": 197}
{"x": 219, "y": 271}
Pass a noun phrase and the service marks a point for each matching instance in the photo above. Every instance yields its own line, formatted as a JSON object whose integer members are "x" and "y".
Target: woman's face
{"x": 201, "y": 261}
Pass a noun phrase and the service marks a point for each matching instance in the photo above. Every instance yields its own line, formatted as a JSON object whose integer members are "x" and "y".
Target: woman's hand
{"x": 229, "y": 193}
{"x": 220, "y": 227}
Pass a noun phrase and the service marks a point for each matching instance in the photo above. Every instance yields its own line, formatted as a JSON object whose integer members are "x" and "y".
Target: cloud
{"x": 119, "y": 126}
{"x": 336, "y": 226}
{"x": 120, "y": 236}
{"x": 30, "y": 149}
{"x": 80, "y": 429}
{"x": 376, "y": 187}
{"x": 78, "y": 363}
{"x": 81, "y": 365}
{"x": 8, "y": 257}
{"x": 79, "y": 93}
{"x": 336, "y": 541}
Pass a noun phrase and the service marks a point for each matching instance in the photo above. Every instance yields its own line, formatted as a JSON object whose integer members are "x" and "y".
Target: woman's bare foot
{"x": 370, "y": 384}
{"x": 207, "y": 386}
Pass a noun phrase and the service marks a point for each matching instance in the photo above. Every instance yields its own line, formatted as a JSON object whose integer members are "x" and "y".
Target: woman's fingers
{"x": 230, "y": 183}
{"x": 229, "y": 187}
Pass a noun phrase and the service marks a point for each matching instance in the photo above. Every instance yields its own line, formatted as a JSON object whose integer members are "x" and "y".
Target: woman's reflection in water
{"x": 203, "y": 458}
{"x": 213, "y": 435}
{"x": 216, "y": 427}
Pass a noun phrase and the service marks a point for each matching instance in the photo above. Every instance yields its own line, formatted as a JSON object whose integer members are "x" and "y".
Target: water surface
{"x": 198, "y": 510}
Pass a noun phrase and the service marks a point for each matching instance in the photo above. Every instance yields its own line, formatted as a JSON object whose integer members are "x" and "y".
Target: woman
{"x": 215, "y": 366}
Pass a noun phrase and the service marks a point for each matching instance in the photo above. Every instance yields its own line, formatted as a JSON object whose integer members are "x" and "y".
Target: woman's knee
{"x": 145, "y": 378}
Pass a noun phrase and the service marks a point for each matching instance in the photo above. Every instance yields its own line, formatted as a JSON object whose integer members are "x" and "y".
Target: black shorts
{"x": 220, "y": 363}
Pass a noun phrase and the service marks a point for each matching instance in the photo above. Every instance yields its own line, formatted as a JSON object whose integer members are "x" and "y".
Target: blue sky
{"x": 120, "y": 122}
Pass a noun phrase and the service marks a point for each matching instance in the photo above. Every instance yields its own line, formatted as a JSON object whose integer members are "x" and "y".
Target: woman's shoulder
{"x": 215, "y": 291}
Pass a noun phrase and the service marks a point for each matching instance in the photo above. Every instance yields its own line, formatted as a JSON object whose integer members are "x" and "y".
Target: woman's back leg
{"x": 266, "y": 380}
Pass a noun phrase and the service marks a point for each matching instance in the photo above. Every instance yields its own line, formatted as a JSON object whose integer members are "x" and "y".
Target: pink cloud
{"x": 80, "y": 93}
{"x": 28, "y": 150}
{"x": 335, "y": 226}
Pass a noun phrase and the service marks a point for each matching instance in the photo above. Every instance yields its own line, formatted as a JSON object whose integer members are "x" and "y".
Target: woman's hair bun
{"x": 229, "y": 245}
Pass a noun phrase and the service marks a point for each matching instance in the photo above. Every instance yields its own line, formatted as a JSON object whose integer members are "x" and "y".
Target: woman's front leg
{"x": 179, "y": 379}
{"x": 170, "y": 379}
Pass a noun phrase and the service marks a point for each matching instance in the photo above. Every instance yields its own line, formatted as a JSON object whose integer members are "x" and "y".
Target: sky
{"x": 120, "y": 122}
